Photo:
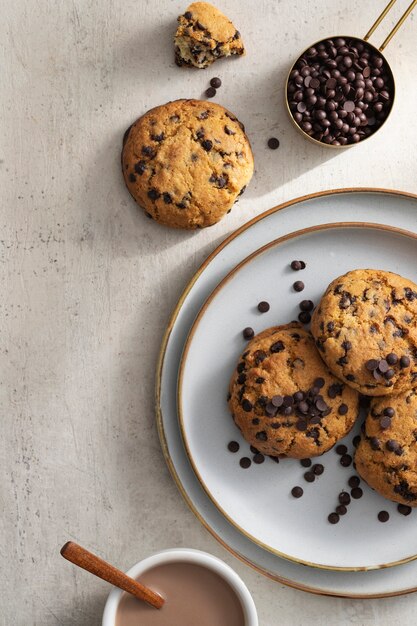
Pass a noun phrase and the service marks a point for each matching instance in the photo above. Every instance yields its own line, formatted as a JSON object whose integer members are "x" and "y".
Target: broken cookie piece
{"x": 204, "y": 34}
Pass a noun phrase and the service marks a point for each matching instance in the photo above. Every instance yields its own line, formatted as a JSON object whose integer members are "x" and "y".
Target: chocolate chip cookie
{"x": 204, "y": 34}
{"x": 365, "y": 328}
{"x": 386, "y": 457}
{"x": 285, "y": 400}
{"x": 186, "y": 162}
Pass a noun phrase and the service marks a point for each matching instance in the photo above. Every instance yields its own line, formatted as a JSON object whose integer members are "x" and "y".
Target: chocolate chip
{"x": 247, "y": 405}
{"x": 259, "y": 380}
{"x": 297, "y": 492}
{"x": 153, "y": 194}
{"x": 248, "y": 332}
{"x": 229, "y": 131}
{"x": 277, "y": 401}
{"x": 304, "y": 317}
{"x": 404, "y": 509}
{"x": 306, "y": 462}
{"x": 278, "y": 346}
{"x": 385, "y": 422}
{"x": 341, "y": 509}
{"x": 258, "y": 458}
{"x": 404, "y": 361}
{"x": 344, "y": 498}
{"x": 333, "y": 518}
{"x": 371, "y": 365}
{"x": 140, "y": 167}
{"x": 306, "y": 305}
{"x": 188, "y": 15}
{"x": 210, "y": 92}
{"x": 345, "y": 460}
{"x": 245, "y": 462}
{"x": 167, "y": 197}
{"x": 389, "y": 411}
{"x": 318, "y": 469}
{"x": 298, "y": 285}
{"x": 207, "y": 145}
{"x": 375, "y": 443}
{"x": 354, "y": 481}
{"x": 216, "y": 82}
{"x": 343, "y": 409}
{"x": 309, "y": 477}
{"x": 297, "y": 265}
{"x": 356, "y": 493}
{"x": 383, "y": 516}
{"x": 341, "y": 449}
{"x": 356, "y": 440}
{"x": 273, "y": 143}
{"x": 132, "y": 177}
{"x": 233, "y": 446}
{"x": 261, "y": 436}
{"x": 392, "y": 358}
{"x": 263, "y": 306}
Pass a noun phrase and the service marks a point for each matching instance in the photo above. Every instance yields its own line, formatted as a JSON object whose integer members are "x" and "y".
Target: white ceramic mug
{"x": 186, "y": 555}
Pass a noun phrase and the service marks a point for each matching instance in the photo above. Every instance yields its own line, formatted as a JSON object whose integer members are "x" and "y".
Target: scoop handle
{"x": 93, "y": 564}
{"x": 396, "y": 27}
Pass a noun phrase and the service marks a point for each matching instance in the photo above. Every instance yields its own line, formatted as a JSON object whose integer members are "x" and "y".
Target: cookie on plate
{"x": 186, "y": 162}
{"x": 285, "y": 400}
{"x": 386, "y": 457}
{"x": 366, "y": 330}
{"x": 204, "y": 34}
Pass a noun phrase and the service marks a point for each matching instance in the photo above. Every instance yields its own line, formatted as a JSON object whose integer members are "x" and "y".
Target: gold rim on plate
{"x": 159, "y": 368}
{"x": 274, "y": 244}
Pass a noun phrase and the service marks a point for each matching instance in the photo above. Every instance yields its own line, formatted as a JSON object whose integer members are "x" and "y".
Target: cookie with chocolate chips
{"x": 365, "y": 328}
{"x": 285, "y": 400}
{"x": 386, "y": 457}
{"x": 186, "y": 163}
{"x": 204, "y": 35}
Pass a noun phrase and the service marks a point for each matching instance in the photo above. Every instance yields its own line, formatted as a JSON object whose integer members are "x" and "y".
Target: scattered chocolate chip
{"x": 344, "y": 498}
{"x": 343, "y": 409}
{"x": 356, "y": 441}
{"x": 248, "y": 332}
{"x": 297, "y": 265}
{"x": 404, "y": 509}
{"x": 216, "y": 82}
{"x": 210, "y": 92}
{"x": 375, "y": 443}
{"x": 304, "y": 317}
{"x": 306, "y": 462}
{"x": 356, "y": 493}
{"x": 188, "y": 15}
{"x": 404, "y": 361}
{"x": 263, "y": 306}
{"x": 306, "y": 305}
{"x": 354, "y": 481}
{"x": 297, "y": 492}
{"x": 345, "y": 460}
{"x": 233, "y": 446}
{"x": 341, "y": 509}
{"x": 341, "y": 449}
{"x": 258, "y": 458}
{"x": 385, "y": 422}
{"x": 391, "y": 358}
{"x": 273, "y": 143}
{"x": 245, "y": 462}
{"x": 318, "y": 469}
{"x": 298, "y": 285}
{"x": 383, "y": 516}
{"x": 309, "y": 477}
{"x": 153, "y": 194}
{"x": 389, "y": 411}
{"x": 333, "y": 518}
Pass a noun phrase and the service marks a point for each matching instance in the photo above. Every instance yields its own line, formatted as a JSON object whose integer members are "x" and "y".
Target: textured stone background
{"x": 88, "y": 283}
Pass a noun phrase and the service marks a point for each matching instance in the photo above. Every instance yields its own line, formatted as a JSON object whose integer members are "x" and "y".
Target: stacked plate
{"x": 251, "y": 512}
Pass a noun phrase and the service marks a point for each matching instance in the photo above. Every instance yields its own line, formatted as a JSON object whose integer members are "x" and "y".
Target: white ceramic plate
{"x": 340, "y": 205}
{"x": 258, "y": 501}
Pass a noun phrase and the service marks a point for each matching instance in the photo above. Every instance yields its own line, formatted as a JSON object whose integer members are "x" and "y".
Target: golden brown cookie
{"x": 204, "y": 34}
{"x": 386, "y": 457}
{"x": 366, "y": 330}
{"x": 285, "y": 400}
{"x": 186, "y": 162}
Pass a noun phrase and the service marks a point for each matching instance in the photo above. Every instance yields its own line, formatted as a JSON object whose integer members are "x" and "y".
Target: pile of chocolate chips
{"x": 385, "y": 367}
{"x": 309, "y": 407}
{"x": 340, "y": 91}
